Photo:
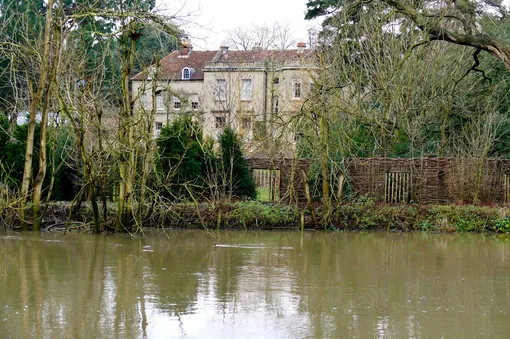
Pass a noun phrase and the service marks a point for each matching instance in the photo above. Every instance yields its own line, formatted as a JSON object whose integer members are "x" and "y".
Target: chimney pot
{"x": 301, "y": 47}
{"x": 224, "y": 48}
{"x": 185, "y": 48}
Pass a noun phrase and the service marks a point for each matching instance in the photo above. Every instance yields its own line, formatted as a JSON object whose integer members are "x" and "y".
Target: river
{"x": 254, "y": 285}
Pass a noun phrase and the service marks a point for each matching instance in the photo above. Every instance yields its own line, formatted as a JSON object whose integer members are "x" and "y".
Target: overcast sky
{"x": 207, "y": 20}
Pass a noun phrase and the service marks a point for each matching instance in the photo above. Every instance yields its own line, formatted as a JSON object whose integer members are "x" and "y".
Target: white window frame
{"x": 221, "y": 90}
{"x": 276, "y": 103}
{"x": 177, "y": 104}
{"x": 160, "y": 101}
{"x": 144, "y": 102}
{"x": 158, "y": 126}
{"x": 246, "y": 89}
{"x": 296, "y": 89}
{"x": 218, "y": 124}
{"x": 186, "y": 73}
{"x": 194, "y": 101}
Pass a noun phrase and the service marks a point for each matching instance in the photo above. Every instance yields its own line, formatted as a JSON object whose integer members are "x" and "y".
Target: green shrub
{"x": 502, "y": 225}
{"x": 236, "y": 171}
{"x": 262, "y": 214}
{"x": 181, "y": 158}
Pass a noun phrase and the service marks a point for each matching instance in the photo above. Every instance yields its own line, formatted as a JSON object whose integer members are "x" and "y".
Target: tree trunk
{"x": 41, "y": 174}
{"x": 326, "y": 199}
{"x": 148, "y": 150}
{"x": 34, "y": 104}
{"x": 127, "y": 165}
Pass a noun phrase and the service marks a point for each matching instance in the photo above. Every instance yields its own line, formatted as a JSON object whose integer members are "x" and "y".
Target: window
{"x": 276, "y": 81}
{"x": 158, "y": 126}
{"x": 245, "y": 123}
{"x": 143, "y": 100}
{"x": 296, "y": 89}
{"x": 177, "y": 103}
{"x": 220, "y": 122}
{"x": 246, "y": 89}
{"x": 275, "y": 105}
{"x": 160, "y": 102}
{"x": 186, "y": 74}
{"x": 194, "y": 101}
{"x": 221, "y": 90}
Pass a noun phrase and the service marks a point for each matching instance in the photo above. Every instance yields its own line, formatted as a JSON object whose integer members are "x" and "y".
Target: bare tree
{"x": 241, "y": 38}
{"x": 277, "y": 35}
{"x": 283, "y": 35}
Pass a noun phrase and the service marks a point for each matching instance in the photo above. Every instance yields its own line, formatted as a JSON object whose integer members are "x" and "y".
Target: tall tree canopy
{"x": 461, "y": 22}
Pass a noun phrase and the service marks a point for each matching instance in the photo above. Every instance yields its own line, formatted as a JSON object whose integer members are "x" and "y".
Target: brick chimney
{"x": 224, "y": 48}
{"x": 185, "y": 48}
{"x": 301, "y": 47}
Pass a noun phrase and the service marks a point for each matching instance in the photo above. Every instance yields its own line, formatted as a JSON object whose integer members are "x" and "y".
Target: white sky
{"x": 207, "y": 20}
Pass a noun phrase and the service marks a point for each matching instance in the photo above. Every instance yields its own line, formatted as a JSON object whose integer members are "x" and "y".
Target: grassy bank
{"x": 366, "y": 215}
{"x": 361, "y": 215}
{"x": 356, "y": 216}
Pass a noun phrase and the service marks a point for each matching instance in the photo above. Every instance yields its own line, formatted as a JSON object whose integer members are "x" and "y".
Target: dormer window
{"x": 187, "y": 73}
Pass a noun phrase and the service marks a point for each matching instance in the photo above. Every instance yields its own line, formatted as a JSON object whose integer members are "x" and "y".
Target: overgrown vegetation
{"x": 360, "y": 215}
{"x": 376, "y": 91}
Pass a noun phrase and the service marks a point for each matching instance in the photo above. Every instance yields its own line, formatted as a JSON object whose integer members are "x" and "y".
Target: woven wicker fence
{"x": 419, "y": 180}
{"x": 434, "y": 180}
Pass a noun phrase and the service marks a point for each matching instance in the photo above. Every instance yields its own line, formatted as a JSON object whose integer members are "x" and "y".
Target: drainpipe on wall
{"x": 264, "y": 108}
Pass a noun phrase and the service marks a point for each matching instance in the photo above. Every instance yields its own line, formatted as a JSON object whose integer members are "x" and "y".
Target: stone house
{"x": 256, "y": 91}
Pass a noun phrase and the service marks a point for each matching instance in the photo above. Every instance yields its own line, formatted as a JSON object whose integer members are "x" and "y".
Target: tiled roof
{"x": 265, "y": 55}
{"x": 173, "y": 63}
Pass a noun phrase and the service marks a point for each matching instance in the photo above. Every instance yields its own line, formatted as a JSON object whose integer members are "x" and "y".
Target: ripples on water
{"x": 254, "y": 285}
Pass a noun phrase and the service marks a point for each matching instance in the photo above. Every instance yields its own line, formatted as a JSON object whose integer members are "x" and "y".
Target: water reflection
{"x": 256, "y": 284}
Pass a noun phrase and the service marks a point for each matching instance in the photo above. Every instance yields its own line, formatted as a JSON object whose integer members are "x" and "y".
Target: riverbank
{"x": 361, "y": 215}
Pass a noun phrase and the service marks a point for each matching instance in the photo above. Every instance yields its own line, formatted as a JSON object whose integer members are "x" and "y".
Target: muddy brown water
{"x": 254, "y": 285}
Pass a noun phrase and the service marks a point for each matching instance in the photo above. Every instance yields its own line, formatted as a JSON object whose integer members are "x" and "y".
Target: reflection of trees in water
{"x": 400, "y": 285}
{"x": 327, "y": 284}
